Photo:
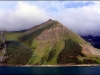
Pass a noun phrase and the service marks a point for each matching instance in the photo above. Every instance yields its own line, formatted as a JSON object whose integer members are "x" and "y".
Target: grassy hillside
{"x": 49, "y": 43}
{"x": 12, "y": 35}
{"x": 17, "y": 53}
{"x": 70, "y": 53}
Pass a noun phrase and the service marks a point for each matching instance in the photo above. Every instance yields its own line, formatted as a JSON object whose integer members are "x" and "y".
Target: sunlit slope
{"x": 50, "y": 43}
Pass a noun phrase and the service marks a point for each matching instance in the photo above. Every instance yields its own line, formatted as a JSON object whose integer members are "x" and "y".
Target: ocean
{"x": 47, "y": 70}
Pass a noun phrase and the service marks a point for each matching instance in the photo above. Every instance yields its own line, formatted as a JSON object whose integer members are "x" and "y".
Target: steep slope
{"x": 2, "y": 46}
{"x": 51, "y": 43}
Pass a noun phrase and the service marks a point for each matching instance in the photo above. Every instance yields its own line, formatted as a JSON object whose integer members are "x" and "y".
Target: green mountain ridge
{"x": 49, "y": 43}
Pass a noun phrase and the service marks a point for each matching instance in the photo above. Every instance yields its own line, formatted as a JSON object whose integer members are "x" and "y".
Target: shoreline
{"x": 67, "y": 65}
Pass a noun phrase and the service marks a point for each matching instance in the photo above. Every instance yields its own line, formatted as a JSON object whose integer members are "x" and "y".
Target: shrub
{"x": 70, "y": 53}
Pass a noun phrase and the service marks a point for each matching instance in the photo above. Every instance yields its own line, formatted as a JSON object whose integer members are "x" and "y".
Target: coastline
{"x": 67, "y": 65}
{"x": 60, "y": 65}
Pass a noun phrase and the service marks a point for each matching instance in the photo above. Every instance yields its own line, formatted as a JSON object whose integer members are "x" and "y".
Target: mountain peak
{"x": 49, "y": 43}
{"x": 50, "y": 20}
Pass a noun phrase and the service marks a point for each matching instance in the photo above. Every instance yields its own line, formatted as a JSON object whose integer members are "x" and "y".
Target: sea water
{"x": 44, "y": 70}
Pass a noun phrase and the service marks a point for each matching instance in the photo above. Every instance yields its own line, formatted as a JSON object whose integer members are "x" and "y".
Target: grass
{"x": 1, "y": 53}
{"x": 34, "y": 34}
{"x": 70, "y": 53}
{"x": 51, "y": 54}
{"x": 58, "y": 47}
{"x": 43, "y": 49}
{"x": 97, "y": 60}
{"x": 18, "y": 53}
{"x": 26, "y": 49}
{"x": 89, "y": 59}
{"x": 40, "y": 52}
{"x": 12, "y": 35}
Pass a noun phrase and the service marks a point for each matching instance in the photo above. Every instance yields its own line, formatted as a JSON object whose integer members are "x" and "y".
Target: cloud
{"x": 23, "y": 16}
{"x": 82, "y": 19}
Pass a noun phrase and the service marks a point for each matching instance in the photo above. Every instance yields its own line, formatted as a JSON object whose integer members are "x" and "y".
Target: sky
{"x": 82, "y": 17}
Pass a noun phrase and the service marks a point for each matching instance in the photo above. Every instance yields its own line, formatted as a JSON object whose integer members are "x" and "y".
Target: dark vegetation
{"x": 51, "y": 54}
{"x": 89, "y": 61}
{"x": 21, "y": 44}
{"x": 1, "y": 46}
{"x": 70, "y": 53}
{"x": 43, "y": 59}
{"x": 17, "y": 53}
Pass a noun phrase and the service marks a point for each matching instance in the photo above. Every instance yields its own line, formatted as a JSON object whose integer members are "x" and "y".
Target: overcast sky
{"x": 83, "y": 17}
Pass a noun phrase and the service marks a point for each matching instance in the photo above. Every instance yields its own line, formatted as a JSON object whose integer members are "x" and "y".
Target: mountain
{"x": 49, "y": 43}
{"x": 93, "y": 40}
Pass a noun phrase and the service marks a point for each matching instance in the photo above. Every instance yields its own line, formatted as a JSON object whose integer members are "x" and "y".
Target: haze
{"x": 83, "y": 17}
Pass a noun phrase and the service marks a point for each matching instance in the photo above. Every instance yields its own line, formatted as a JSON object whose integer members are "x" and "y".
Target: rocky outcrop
{"x": 3, "y": 46}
